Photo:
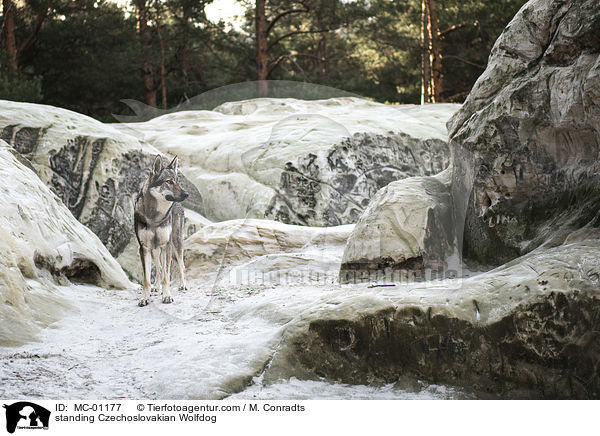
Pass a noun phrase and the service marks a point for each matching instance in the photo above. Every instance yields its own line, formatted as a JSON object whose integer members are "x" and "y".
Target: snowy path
{"x": 207, "y": 345}
{"x": 110, "y": 348}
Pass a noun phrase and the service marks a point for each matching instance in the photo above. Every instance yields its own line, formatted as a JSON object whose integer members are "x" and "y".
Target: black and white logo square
{"x": 26, "y": 415}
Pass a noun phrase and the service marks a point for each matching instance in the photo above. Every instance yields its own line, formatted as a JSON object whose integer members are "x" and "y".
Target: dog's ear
{"x": 174, "y": 165}
{"x": 157, "y": 167}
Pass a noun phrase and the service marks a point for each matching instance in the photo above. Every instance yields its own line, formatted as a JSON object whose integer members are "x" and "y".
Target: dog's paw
{"x": 143, "y": 302}
{"x": 183, "y": 288}
{"x": 168, "y": 299}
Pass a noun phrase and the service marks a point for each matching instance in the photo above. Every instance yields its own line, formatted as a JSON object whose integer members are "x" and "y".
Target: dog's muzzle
{"x": 182, "y": 197}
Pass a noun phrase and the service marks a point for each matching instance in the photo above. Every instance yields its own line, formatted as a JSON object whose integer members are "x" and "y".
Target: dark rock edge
{"x": 545, "y": 349}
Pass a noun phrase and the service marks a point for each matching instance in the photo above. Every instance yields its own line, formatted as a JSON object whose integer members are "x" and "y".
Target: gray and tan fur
{"x": 158, "y": 225}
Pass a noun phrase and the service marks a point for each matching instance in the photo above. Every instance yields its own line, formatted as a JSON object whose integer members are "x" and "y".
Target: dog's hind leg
{"x": 177, "y": 243}
{"x": 146, "y": 259}
{"x": 178, "y": 250}
{"x": 166, "y": 272}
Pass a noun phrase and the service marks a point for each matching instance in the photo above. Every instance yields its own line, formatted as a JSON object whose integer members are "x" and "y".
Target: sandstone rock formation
{"x": 315, "y": 163}
{"x": 256, "y": 251}
{"x": 42, "y": 245}
{"x": 528, "y": 329}
{"x": 94, "y": 169}
{"x": 528, "y": 137}
{"x": 526, "y": 148}
{"x": 408, "y": 226}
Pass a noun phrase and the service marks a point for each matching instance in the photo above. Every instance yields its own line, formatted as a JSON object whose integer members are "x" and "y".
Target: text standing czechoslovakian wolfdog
{"x": 158, "y": 224}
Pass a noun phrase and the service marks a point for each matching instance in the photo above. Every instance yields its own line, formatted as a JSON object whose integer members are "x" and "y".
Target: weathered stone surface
{"x": 528, "y": 329}
{"x": 527, "y": 141}
{"x": 42, "y": 245}
{"x": 528, "y": 136}
{"x": 333, "y": 188}
{"x": 256, "y": 251}
{"x": 94, "y": 169}
{"x": 314, "y": 163}
{"x": 408, "y": 226}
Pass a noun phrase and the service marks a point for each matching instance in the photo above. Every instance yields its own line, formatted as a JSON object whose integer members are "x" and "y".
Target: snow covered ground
{"x": 211, "y": 343}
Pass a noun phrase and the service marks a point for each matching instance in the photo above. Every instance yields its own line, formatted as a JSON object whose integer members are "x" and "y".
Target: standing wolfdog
{"x": 158, "y": 225}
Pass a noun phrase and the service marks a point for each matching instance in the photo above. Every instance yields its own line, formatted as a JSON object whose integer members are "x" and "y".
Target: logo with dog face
{"x": 26, "y": 415}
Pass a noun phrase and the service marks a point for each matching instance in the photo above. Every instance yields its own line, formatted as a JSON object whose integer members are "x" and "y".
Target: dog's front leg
{"x": 166, "y": 263}
{"x": 147, "y": 265}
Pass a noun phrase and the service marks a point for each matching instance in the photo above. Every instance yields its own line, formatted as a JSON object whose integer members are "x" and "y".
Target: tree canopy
{"x": 87, "y": 55}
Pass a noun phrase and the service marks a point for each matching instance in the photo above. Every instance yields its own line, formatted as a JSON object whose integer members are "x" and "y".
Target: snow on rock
{"x": 408, "y": 226}
{"x": 528, "y": 329}
{"x": 261, "y": 251}
{"x": 95, "y": 169}
{"x": 41, "y": 244}
{"x": 302, "y": 162}
{"x": 295, "y": 389}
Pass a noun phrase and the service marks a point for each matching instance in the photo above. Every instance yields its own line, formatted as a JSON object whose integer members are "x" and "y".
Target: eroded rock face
{"x": 334, "y": 188}
{"x": 407, "y": 227}
{"x": 313, "y": 163}
{"x": 256, "y": 251}
{"x": 525, "y": 330}
{"x": 94, "y": 169}
{"x": 42, "y": 245}
{"x": 517, "y": 357}
{"x": 528, "y": 136}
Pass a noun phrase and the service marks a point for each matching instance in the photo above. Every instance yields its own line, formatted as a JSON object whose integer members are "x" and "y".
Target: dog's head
{"x": 164, "y": 183}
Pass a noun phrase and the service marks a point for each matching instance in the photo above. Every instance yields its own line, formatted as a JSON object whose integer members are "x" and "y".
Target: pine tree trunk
{"x": 425, "y": 55}
{"x": 163, "y": 84}
{"x": 146, "y": 43}
{"x": 262, "y": 48}
{"x": 436, "y": 52}
{"x": 322, "y": 54}
{"x": 322, "y": 45}
{"x": 183, "y": 53}
{"x": 10, "y": 42}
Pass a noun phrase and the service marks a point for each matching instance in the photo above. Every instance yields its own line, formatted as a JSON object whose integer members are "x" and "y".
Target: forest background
{"x": 88, "y": 55}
